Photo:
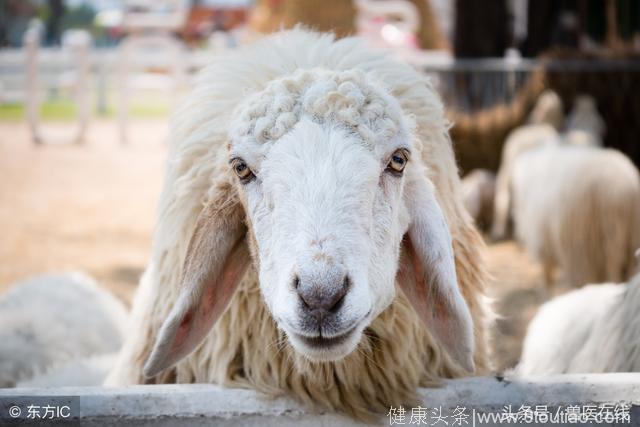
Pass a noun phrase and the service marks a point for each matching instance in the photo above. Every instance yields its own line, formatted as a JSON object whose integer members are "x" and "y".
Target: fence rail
{"x": 488, "y": 80}
{"x": 200, "y": 404}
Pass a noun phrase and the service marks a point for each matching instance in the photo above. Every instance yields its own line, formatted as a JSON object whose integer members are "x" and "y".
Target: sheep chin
{"x": 331, "y": 350}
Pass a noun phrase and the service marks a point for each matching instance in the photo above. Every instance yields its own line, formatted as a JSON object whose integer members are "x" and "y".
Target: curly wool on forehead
{"x": 344, "y": 98}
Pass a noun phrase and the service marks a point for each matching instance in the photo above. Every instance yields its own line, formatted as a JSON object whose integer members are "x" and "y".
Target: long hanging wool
{"x": 397, "y": 353}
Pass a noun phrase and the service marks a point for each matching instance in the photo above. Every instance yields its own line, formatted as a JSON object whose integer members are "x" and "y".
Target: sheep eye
{"x": 242, "y": 170}
{"x": 398, "y": 161}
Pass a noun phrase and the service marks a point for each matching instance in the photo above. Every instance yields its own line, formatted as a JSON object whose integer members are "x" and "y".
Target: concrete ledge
{"x": 200, "y": 404}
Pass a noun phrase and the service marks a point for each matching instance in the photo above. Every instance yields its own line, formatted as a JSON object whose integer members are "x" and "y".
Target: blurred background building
{"x": 470, "y": 29}
{"x": 490, "y": 59}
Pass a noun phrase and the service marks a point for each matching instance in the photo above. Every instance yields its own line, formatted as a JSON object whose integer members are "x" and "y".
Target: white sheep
{"x": 583, "y": 127}
{"x": 307, "y": 177}
{"x": 548, "y": 110}
{"x": 478, "y": 192}
{"x": 519, "y": 141}
{"x": 593, "y": 329}
{"x": 578, "y": 208}
{"x": 48, "y": 320}
{"x": 544, "y": 123}
{"x": 584, "y": 117}
{"x": 77, "y": 371}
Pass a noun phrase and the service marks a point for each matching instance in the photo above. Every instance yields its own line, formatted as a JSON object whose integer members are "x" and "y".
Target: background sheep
{"x": 78, "y": 371}
{"x": 578, "y": 208}
{"x": 520, "y": 140}
{"x": 593, "y": 329}
{"x": 270, "y": 91}
{"x": 478, "y": 192}
{"x": 48, "y": 320}
{"x": 583, "y": 127}
{"x": 584, "y": 117}
{"x": 548, "y": 110}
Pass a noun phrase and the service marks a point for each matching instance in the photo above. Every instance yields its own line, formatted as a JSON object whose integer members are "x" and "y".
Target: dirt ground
{"x": 91, "y": 208}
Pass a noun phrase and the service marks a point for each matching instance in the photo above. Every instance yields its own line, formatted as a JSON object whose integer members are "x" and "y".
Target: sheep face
{"x": 322, "y": 189}
{"x": 327, "y": 216}
{"x": 320, "y": 158}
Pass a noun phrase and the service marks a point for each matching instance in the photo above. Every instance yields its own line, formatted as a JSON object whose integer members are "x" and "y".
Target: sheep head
{"x": 336, "y": 211}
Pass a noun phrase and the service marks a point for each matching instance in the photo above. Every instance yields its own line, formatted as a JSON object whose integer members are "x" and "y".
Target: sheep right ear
{"x": 216, "y": 260}
{"x": 427, "y": 273}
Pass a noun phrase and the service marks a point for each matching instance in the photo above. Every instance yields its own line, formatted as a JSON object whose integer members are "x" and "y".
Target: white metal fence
{"x": 568, "y": 400}
{"x": 467, "y": 85}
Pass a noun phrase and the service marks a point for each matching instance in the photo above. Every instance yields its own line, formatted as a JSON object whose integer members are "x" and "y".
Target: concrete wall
{"x": 210, "y": 405}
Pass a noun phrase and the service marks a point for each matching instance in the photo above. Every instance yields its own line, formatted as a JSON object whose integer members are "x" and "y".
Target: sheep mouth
{"x": 320, "y": 342}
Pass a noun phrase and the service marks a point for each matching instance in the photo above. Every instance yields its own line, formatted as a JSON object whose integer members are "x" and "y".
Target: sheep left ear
{"x": 427, "y": 273}
{"x": 217, "y": 258}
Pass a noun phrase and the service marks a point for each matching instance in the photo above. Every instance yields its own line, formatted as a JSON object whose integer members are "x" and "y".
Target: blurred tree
{"x": 54, "y": 21}
{"x": 565, "y": 23}
{"x": 80, "y": 16}
{"x": 613, "y": 36}
{"x": 482, "y": 28}
{"x": 628, "y": 18}
{"x": 547, "y": 24}
{"x": 622, "y": 23}
{"x": 15, "y": 16}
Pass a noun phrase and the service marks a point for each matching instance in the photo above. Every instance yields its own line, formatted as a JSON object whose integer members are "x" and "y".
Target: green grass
{"x": 11, "y": 112}
{"x": 65, "y": 110}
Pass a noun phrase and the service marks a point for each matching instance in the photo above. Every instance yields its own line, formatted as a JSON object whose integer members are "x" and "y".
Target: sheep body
{"x": 50, "y": 319}
{"x": 581, "y": 138}
{"x": 578, "y": 208}
{"x": 593, "y": 329}
{"x": 584, "y": 117}
{"x": 518, "y": 141}
{"x": 548, "y": 110}
{"x": 245, "y": 347}
{"x": 544, "y": 122}
{"x": 478, "y": 192}
{"x": 583, "y": 127}
{"x": 75, "y": 372}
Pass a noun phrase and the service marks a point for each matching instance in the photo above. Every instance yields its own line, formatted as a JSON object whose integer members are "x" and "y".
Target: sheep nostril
{"x": 336, "y": 306}
{"x": 346, "y": 283}
{"x": 301, "y": 293}
{"x": 339, "y": 296}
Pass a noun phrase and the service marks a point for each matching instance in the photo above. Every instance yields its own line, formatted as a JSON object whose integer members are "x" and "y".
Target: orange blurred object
{"x": 203, "y": 20}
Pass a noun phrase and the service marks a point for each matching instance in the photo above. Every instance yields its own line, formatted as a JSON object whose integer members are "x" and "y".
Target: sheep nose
{"x": 322, "y": 295}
